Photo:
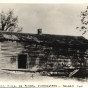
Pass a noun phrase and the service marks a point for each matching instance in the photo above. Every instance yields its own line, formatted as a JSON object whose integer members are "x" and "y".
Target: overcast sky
{"x": 61, "y": 19}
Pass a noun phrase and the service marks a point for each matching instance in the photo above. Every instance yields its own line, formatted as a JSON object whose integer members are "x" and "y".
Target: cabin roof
{"x": 44, "y": 38}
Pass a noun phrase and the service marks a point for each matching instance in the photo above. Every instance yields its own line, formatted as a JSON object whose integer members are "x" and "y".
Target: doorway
{"x": 22, "y": 60}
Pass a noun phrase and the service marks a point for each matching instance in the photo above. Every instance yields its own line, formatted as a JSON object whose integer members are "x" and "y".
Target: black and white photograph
{"x": 43, "y": 45}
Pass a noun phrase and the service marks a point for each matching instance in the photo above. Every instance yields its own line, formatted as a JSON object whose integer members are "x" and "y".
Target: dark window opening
{"x": 22, "y": 60}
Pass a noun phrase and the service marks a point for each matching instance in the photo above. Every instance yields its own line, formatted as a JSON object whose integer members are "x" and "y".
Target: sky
{"x": 59, "y": 19}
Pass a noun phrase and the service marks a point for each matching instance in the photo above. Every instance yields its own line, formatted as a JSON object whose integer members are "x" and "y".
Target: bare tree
{"x": 84, "y": 21}
{"x": 9, "y": 22}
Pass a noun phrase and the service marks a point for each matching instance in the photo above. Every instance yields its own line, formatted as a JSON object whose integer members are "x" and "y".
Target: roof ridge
{"x": 42, "y": 34}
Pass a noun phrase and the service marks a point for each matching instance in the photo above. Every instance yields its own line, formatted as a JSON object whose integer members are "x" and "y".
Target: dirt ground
{"x": 26, "y": 78}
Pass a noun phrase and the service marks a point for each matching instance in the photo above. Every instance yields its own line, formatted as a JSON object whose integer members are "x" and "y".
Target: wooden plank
{"x": 73, "y": 72}
{"x": 23, "y": 70}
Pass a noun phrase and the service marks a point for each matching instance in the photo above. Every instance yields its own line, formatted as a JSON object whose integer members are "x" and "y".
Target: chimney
{"x": 39, "y": 31}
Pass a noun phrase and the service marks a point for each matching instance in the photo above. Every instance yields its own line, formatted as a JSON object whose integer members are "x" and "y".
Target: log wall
{"x": 39, "y": 55}
{"x": 8, "y": 53}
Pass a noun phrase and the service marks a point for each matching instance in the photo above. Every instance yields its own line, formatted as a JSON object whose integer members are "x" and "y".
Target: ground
{"x": 26, "y": 78}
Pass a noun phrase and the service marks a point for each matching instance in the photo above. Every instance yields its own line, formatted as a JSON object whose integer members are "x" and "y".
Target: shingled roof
{"x": 44, "y": 38}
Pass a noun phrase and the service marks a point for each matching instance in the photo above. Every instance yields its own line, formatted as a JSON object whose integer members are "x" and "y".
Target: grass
{"x": 27, "y": 77}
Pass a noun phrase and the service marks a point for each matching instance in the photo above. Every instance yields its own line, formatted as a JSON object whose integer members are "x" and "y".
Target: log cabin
{"x": 42, "y": 51}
